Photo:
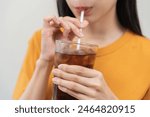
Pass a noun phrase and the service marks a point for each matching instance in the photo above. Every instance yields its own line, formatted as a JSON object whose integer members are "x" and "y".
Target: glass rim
{"x": 76, "y": 43}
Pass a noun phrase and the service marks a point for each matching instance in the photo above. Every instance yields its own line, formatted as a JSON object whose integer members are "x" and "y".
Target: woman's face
{"x": 94, "y": 9}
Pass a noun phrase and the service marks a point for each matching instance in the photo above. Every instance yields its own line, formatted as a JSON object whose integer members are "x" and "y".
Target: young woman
{"x": 122, "y": 66}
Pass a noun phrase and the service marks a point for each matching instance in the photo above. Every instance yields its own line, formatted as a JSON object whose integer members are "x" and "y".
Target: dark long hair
{"x": 126, "y": 13}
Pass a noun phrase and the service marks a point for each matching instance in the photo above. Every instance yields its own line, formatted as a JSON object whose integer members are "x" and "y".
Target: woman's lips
{"x": 85, "y": 9}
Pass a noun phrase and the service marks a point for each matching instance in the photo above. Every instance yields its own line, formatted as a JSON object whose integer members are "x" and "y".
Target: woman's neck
{"x": 105, "y": 31}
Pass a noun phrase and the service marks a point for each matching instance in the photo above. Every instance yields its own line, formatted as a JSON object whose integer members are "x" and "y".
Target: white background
{"x": 18, "y": 20}
{"x": 130, "y": 108}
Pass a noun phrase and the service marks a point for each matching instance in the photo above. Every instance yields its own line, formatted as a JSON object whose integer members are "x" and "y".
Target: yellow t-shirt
{"x": 125, "y": 65}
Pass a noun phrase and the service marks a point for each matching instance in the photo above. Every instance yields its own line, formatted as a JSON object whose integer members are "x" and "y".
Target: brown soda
{"x": 81, "y": 58}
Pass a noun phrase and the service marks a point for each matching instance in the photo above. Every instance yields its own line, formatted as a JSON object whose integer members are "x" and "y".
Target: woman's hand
{"x": 51, "y": 31}
{"x": 82, "y": 83}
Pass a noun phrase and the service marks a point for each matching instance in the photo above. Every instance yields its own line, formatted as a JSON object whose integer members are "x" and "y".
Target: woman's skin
{"x": 103, "y": 28}
{"x": 100, "y": 26}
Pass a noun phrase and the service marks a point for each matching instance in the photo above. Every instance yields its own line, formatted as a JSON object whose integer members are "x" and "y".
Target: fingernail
{"x": 60, "y": 66}
{"x": 55, "y": 81}
{"x": 53, "y": 71}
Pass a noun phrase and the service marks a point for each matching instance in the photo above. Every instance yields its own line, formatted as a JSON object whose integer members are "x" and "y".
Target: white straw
{"x": 81, "y": 21}
{"x": 82, "y": 16}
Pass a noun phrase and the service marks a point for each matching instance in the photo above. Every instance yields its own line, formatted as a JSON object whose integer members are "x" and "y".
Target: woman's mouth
{"x": 87, "y": 10}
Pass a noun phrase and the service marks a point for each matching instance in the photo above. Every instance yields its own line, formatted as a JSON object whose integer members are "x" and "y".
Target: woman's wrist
{"x": 42, "y": 62}
{"x": 46, "y": 57}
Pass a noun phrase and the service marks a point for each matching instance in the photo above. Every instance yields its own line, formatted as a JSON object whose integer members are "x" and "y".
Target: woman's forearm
{"x": 37, "y": 87}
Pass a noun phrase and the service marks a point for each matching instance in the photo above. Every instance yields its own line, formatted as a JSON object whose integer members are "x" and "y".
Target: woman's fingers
{"x": 51, "y": 21}
{"x": 74, "y": 94}
{"x": 88, "y": 82}
{"x": 79, "y": 70}
{"x": 70, "y": 25}
{"x": 69, "y": 77}
{"x": 75, "y": 30}
{"x": 65, "y": 26}
{"x": 73, "y": 86}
